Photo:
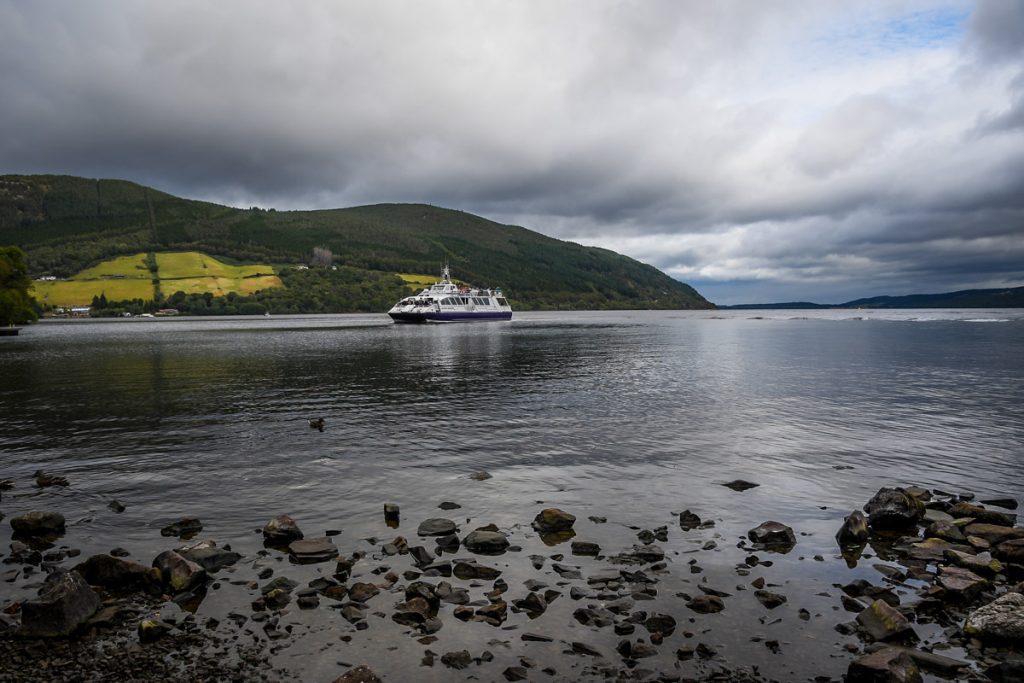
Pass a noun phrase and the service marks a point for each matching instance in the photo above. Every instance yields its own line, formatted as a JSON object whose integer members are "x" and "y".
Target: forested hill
{"x": 66, "y": 224}
{"x": 1007, "y": 297}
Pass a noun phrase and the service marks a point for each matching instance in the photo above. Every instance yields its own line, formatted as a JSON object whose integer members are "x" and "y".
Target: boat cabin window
{"x": 502, "y": 302}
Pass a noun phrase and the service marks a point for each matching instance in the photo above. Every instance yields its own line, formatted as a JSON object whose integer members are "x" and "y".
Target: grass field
{"x": 126, "y": 277}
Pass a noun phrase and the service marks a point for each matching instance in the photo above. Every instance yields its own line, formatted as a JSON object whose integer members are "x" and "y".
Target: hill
{"x": 67, "y": 224}
{"x": 1010, "y": 297}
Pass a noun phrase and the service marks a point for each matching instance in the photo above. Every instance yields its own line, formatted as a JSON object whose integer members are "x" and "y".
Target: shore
{"x": 554, "y": 597}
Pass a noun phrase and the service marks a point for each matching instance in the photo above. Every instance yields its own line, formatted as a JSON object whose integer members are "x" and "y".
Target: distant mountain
{"x": 67, "y": 224}
{"x": 1012, "y": 297}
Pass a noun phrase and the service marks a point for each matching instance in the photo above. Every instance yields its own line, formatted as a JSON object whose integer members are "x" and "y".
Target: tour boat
{"x": 447, "y": 302}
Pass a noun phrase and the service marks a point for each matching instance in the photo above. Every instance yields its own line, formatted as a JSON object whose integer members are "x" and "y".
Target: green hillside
{"x": 68, "y": 224}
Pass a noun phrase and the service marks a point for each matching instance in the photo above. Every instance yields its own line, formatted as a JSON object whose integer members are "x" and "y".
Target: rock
{"x": 585, "y": 548}
{"x": 591, "y": 616}
{"x": 456, "y": 660}
{"x": 993, "y": 533}
{"x": 688, "y": 520}
{"x": 1008, "y": 503}
{"x": 929, "y": 550}
{"x": 186, "y": 526}
{"x": 480, "y": 476}
{"x": 280, "y": 583}
{"x": 437, "y": 526}
{"x": 637, "y": 650}
{"x": 706, "y": 604}
{"x": 413, "y": 612}
{"x": 883, "y": 622}
{"x": 980, "y": 564}
{"x": 312, "y": 550}
{"x": 929, "y": 661}
{"x": 449, "y": 543}
{"x": 1011, "y": 671}
{"x": 892, "y": 509}
{"x": 361, "y": 592}
{"x": 533, "y": 603}
{"x": 38, "y": 523}
{"x": 959, "y": 583}
{"x": 947, "y": 531}
{"x": 392, "y": 513}
{"x": 1011, "y": 551}
{"x": 983, "y": 515}
{"x": 65, "y": 602}
{"x": 208, "y": 556}
{"x": 584, "y": 649}
{"x": 660, "y": 623}
{"x": 468, "y": 569}
{"x": 281, "y": 530}
{"x": 854, "y": 530}
{"x": 769, "y": 599}
{"x": 152, "y": 630}
{"x": 640, "y": 554}
{"x": 448, "y": 505}
{"x": 177, "y": 573}
{"x": 888, "y": 665}
{"x": 358, "y": 674}
{"x": 515, "y": 673}
{"x": 118, "y": 575}
{"x": 740, "y": 485}
{"x": 553, "y": 519}
{"x": 44, "y": 480}
{"x": 933, "y": 515}
{"x": 1000, "y": 620}
{"x": 773, "y": 536}
{"x": 117, "y": 506}
{"x": 485, "y": 542}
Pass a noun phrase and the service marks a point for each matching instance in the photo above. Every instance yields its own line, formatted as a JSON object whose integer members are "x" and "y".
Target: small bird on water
{"x": 43, "y": 480}
{"x": 317, "y": 424}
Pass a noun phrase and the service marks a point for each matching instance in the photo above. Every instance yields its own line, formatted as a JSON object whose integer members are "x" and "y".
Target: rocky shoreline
{"x": 447, "y": 599}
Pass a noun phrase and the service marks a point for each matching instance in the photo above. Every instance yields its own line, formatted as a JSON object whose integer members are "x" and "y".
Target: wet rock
{"x": 186, "y": 526}
{"x": 597, "y": 617}
{"x": 994, "y": 533}
{"x": 177, "y": 573}
{"x": 684, "y": 653}
{"x": 281, "y": 530}
{"x": 983, "y": 515}
{"x": 421, "y": 556}
{"x": 982, "y": 563}
{"x": 584, "y": 649}
{"x": 688, "y": 520}
{"x": 413, "y": 612}
{"x": 361, "y": 592}
{"x": 312, "y": 550}
{"x": 929, "y": 550}
{"x": 635, "y": 650}
{"x": 485, "y": 542}
{"x": 1011, "y": 551}
{"x": 854, "y": 530}
{"x": 888, "y": 665}
{"x": 118, "y": 575}
{"x": 660, "y": 623}
{"x": 152, "y": 630}
{"x": 392, "y": 513}
{"x": 468, "y": 569}
{"x": 117, "y": 506}
{"x": 359, "y": 674}
{"x": 1011, "y": 671}
{"x": 437, "y": 526}
{"x": 959, "y": 583}
{"x": 280, "y": 583}
{"x": 533, "y": 603}
{"x": 457, "y": 660}
{"x": 38, "y": 523}
{"x": 1000, "y": 620}
{"x": 208, "y": 556}
{"x": 64, "y": 603}
{"x": 553, "y": 519}
{"x": 769, "y": 599}
{"x": 585, "y": 548}
{"x": 740, "y": 485}
{"x": 928, "y": 661}
{"x": 44, "y": 480}
{"x": 1007, "y": 503}
{"x": 278, "y": 598}
{"x": 892, "y": 509}
{"x": 883, "y": 622}
{"x": 640, "y": 554}
{"x": 449, "y": 543}
{"x": 773, "y": 536}
{"x": 480, "y": 476}
{"x": 947, "y": 531}
{"x": 598, "y": 519}
{"x": 448, "y": 505}
{"x": 515, "y": 673}
{"x": 493, "y": 614}
{"x": 706, "y": 604}
{"x": 536, "y": 638}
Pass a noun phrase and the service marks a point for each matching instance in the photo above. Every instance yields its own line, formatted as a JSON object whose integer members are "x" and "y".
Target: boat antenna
{"x": 446, "y": 276}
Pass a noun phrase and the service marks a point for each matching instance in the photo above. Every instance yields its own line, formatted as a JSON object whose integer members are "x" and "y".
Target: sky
{"x": 759, "y": 151}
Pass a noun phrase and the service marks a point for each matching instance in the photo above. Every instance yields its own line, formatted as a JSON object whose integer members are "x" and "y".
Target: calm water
{"x": 627, "y": 415}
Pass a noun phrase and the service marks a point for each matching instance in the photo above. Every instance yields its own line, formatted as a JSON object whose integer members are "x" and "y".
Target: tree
{"x": 16, "y": 306}
{"x": 322, "y": 256}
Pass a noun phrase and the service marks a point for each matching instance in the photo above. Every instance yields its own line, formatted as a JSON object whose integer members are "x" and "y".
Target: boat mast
{"x": 446, "y": 277}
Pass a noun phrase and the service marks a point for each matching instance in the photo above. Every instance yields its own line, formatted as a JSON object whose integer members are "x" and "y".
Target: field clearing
{"x": 133, "y": 266}
{"x": 195, "y": 264}
{"x": 418, "y": 281}
{"x": 219, "y": 286}
{"x": 81, "y": 292}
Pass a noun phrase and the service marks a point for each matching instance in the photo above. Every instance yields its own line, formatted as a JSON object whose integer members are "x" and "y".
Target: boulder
{"x": 358, "y": 674}
{"x": 585, "y": 548}
{"x": 186, "y": 526}
{"x": 1000, "y": 620}
{"x": 993, "y": 533}
{"x": 1011, "y": 551}
{"x": 892, "y": 509}
{"x": 981, "y": 563}
{"x": 769, "y": 599}
{"x": 773, "y": 536}
{"x": 854, "y": 530}
{"x": 38, "y": 523}
{"x": 888, "y": 665}
{"x": 116, "y": 574}
{"x": 983, "y": 515}
{"x": 485, "y": 542}
{"x": 177, "y": 573}
{"x": 152, "y": 630}
{"x": 65, "y": 602}
{"x": 208, "y": 556}
{"x": 706, "y": 604}
{"x": 312, "y": 550}
{"x": 281, "y": 530}
{"x": 468, "y": 569}
{"x": 553, "y": 519}
{"x": 740, "y": 485}
{"x": 437, "y": 526}
{"x": 947, "y": 531}
{"x": 883, "y": 622}
{"x": 660, "y": 623}
{"x": 361, "y": 592}
{"x": 959, "y": 583}
{"x": 688, "y": 520}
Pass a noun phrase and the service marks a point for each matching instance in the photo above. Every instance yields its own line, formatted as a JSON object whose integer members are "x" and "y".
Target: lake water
{"x": 628, "y": 415}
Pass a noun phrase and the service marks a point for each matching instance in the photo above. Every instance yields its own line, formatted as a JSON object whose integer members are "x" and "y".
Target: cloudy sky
{"x": 761, "y": 151}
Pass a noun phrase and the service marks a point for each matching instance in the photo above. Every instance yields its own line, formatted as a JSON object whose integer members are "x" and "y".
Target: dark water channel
{"x": 629, "y": 416}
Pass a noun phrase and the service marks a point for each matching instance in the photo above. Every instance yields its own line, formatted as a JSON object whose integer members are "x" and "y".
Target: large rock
{"x": 65, "y": 602}
{"x": 1001, "y": 619}
{"x": 854, "y": 530}
{"x": 312, "y": 550}
{"x": 892, "y": 509}
{"x": 883, "y": 622}
{"x": 38, "y": 523}
{"x": 947, "y": 531}
{"x": 993, "y": 533}
{"x": 1011, "y": 551}
{"x": 177, "y": 573}
{"x": 116, "y": 574}
{"x": 774, "y": 536}
{"x": 208, "y": 556}
{"x": 983, "y": 515}
{"x": 485, "y": 542}
{"x": 186, "y": 526}
{"x": 281, "y": 530}
{"x": 359, "y": 674}
{"x": 888, "y": 665}
{"x": 553, "y": 519}
{"x": 437, "y": 526}
{"x": 468, "y": 569}
{"x": 960, "y": 584}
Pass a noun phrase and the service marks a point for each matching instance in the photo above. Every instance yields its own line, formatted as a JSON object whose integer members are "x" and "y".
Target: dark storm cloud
{"x": 821, "y": 146}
